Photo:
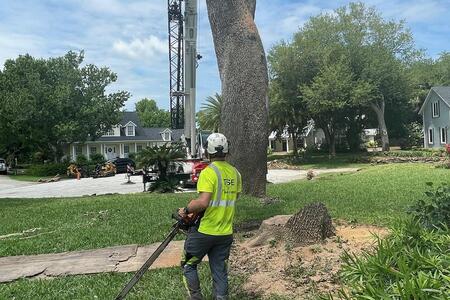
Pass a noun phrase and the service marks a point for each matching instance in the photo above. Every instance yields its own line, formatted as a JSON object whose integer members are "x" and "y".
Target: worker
{"x": 218, "y": 186}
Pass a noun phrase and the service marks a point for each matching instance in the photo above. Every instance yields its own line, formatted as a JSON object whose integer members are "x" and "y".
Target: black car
{"x": 121, "y": 164}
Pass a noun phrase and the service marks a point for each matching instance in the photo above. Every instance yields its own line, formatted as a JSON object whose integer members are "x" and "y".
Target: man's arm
{"x": 197, "y": 205}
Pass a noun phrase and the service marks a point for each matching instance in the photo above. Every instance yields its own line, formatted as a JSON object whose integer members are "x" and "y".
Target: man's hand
{"x": 181, "y": 212}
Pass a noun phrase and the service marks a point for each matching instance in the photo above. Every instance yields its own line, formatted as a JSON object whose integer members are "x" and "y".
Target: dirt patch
{"x": 299, "y": 272}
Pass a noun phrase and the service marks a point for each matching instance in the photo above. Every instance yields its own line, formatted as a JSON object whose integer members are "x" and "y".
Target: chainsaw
{"x": 182, "y": 225}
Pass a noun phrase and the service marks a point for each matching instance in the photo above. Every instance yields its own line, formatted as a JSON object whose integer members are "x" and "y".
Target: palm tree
{"x": 209, "y": 114}
{"x": 161, "y": 156}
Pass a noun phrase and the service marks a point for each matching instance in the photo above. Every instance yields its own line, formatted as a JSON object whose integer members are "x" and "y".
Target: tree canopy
{"x": 370, "y": 53}
{"x": 151, "y": 115}
{"x": 45, "y": 103}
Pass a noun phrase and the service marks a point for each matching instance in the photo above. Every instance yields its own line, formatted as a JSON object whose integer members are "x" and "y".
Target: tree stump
{"x": 310, "y": 225}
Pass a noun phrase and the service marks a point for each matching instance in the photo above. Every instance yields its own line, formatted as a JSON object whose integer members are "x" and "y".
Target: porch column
{"x": 74, "y": 155}
{"x": 121, "y": 153}
{"x": 87, "y": 151}
{"x": 287, "y": 145}
{"x": 135, "y": 147}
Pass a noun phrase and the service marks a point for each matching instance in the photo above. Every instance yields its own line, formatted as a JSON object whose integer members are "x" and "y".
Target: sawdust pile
{"x": 279, "y": 267}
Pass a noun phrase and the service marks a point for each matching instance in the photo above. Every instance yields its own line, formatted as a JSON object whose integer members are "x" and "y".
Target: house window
{"x": 126, "y": 149}
{"x": 130, "y": 130}
{"x": 139, "y": 148}
{"x": 93, "y": 150}
{"x": 110, "y": 132}
{"x": 435, "y": 107}
{"x": 443, "y": 134}
{"x": 78, "y": 150}
{"x": 166, "y": 136}
{"x": 430, "y": 135}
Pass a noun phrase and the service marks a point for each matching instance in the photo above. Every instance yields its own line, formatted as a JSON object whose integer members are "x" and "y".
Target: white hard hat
{"x": 217, "y": 142}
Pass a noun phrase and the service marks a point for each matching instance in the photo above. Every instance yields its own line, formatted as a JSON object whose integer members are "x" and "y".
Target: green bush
{"x": 50, "y": 169}
{"x": 82, "y": 160}
{"x": 436, "y": 211}
{"x": 411, "y": 263}
{"x": 97, "y": 158}
{"x": 413, "y": 136}
{"x": 416, "y": 153}
{"x": 169, "y": 185}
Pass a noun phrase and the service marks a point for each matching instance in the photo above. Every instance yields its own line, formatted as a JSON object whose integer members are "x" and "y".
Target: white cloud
{"x": 141, "y": 48}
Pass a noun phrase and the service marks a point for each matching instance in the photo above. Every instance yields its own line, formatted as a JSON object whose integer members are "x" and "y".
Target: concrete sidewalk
{"x": 127, "y": 258}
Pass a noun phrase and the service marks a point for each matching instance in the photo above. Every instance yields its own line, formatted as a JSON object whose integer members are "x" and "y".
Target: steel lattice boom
{"x": 176, "y": 63}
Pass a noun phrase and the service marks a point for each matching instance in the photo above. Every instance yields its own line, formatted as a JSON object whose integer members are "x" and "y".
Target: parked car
{"x": 121, "y": 164}
{"x": 3, "y": 167}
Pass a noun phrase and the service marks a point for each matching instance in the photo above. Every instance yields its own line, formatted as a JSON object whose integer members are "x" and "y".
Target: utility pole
{"x": 190, "y": 66}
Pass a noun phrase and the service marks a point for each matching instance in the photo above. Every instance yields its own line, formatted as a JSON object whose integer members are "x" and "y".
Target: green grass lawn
{"x": 160, "y": 284}
{"x": 376, "y": 194}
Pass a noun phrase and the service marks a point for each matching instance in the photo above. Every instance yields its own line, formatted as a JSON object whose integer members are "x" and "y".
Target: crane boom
{"x": 176, "y": 64}
{"x": 182, "y": 67}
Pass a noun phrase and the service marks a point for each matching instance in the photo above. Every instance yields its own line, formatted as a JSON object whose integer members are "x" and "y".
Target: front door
{"x": 110, "y": 152}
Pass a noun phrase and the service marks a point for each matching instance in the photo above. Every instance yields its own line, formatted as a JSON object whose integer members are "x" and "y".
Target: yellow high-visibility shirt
{"x": 225, "y": 183}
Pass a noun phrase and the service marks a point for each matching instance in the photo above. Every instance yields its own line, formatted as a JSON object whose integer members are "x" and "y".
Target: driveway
{"x": 284, "y": 175}
{"x": 72, "y": 187}
{"x": 117, "y": 185}
{"x": 7, "y": 183}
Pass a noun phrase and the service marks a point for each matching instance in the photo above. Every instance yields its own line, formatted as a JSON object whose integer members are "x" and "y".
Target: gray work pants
{"x": 217, "y": 248}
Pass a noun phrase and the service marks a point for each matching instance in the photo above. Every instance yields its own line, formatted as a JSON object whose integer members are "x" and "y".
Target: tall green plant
{"x": 411, "y": 263}
{"x": 209, "y": 115}
{"x": 161, "y": 156}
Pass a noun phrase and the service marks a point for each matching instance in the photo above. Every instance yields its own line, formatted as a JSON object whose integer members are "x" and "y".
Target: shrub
{"x": 413, "y": 136}
{"x": 411, "y": 263}
{"x": 82, "y": 160}
{"x": 97, "y": 158}
{"x": 50, "y": 169}
{"x": 169, "y": 185}
{"x": 372, "y": 144}
{"x": 434, "y": 212}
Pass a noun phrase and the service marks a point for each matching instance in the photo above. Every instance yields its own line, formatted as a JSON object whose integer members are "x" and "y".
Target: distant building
{"x": 435, "y": 112}
{"x": 123, "y": 139}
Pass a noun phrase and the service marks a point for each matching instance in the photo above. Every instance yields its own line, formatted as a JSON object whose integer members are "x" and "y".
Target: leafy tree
{"x": 376, "y": 52}
{"x": 150, "y": 115}
{"x": 426, "y": 73}
{"x": 286, "y": 108}
{"x": 45, "y": 103}
{"x": 209, "y": 115}
{"x": 331, "y": 93}
{"x": 243, "y": 72}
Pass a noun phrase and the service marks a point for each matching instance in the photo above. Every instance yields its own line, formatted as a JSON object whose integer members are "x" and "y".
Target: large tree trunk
{"x": 379, "y": 111}
{"x": 243, "y": 72}
{"x": 331, "y": 139}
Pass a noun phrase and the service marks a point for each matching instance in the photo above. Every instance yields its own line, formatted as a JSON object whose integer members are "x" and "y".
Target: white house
{"x": 126, "y": 137}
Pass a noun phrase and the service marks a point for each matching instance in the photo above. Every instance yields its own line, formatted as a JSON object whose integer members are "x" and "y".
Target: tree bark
{"x": 330, "y": 138}
{"x": 379, "y": 111}
{"x": 294, "y": 143}
{"x": 243, "y": 72}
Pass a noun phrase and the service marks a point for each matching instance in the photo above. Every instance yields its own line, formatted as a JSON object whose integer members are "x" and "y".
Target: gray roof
{"x": 442, "y": 91}
{"x": 141, "y": 133}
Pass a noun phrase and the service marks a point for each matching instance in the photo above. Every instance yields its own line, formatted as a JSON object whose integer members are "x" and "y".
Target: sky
{"x": 130, "y": 36}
